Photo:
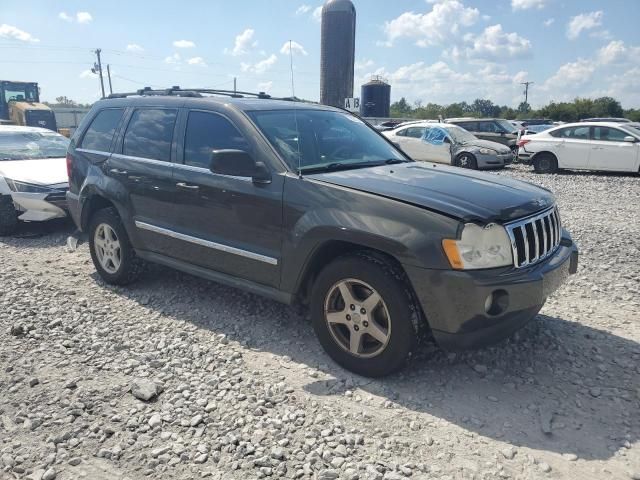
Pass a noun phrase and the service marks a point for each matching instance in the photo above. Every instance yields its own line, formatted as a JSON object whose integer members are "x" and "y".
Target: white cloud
{"x": 527, "y": 4}
{"x": 616, "y": 52}
{"x": 601, "y": 34}
{"x": 549, "y": 21}
{"x": 302, "y": 9}
{"x": 584, "y": 21}
{"x": 14, "y": 33}
{"x": 295, "y": 47}
{"x": 197, "y": 61}
{"x": 571, "y": 74}
{"x": 260, "y": 67}
{"x": 244, "y": 41}
{"x": 493, "y": 44}
{"x": 65, "y": 16}
{"x": 183, "y": 44}
{"x": 265, "y": 86}
{"x": 173, "y": 59}
{"x": 364, "y": 64}
{"x": 87, "y": 74}
{"x": 134, "y": 47}
{"x": 83, "y": 17}
{"x": 440, "y": 25}
{"x": 317, "y": 14}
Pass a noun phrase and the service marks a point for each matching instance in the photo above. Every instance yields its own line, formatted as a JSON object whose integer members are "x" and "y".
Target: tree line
{"x": 558, "y": 111}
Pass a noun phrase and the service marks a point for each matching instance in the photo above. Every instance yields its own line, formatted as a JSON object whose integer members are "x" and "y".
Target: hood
{"x": 46, "y": 171}
{"x": 498, "y": 147}
{"x": 456, "y": 192}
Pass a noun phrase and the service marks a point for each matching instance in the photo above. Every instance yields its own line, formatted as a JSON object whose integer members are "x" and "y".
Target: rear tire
{"x": 368, "y": 335}
{"x": 8, "y": 216}
{"x": 466, "y": 160}
{"x": 545, "y": 163}
{"x": 111, "y": 251}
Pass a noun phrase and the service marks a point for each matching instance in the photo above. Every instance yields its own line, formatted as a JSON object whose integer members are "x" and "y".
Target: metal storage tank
{"x": 337, "y": 54}
{"x": 375, "y": 98}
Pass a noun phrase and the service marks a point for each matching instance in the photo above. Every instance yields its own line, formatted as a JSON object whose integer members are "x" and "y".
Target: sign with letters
{"x": 352, "y": 104}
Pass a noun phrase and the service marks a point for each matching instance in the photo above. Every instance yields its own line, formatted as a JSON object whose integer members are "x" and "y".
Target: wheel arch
{"x": 92, "y": 204}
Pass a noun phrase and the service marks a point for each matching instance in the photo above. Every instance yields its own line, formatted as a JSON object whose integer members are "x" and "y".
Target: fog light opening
{"x": 496, "y": 302}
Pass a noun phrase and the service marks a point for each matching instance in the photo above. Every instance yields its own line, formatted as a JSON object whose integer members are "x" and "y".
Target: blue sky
{"x": 440, "y": 51}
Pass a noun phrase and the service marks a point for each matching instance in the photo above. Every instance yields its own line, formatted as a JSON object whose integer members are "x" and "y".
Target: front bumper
{"x": 493, "y": 161}
{"x": 524, "y": 156}
{"x": 455, "y": 302}
{"x": 38, "y": 207}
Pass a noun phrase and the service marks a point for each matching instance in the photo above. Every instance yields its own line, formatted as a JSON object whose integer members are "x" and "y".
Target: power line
{"x": 526, "y": 90}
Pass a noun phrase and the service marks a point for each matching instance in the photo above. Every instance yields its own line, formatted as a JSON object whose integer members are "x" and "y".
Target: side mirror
{"x": 239, "y": 163}
{"x": 629, "y": 139}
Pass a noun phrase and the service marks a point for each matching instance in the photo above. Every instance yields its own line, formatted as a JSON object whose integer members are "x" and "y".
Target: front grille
{"x": 535, "y": 238}
{"x": 58, "y": 198}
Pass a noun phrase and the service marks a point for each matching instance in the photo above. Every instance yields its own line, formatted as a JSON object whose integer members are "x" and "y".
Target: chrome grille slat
{"x": 540, "y": 235}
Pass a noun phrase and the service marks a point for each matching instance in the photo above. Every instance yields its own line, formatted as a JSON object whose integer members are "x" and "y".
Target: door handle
{"x": 188, "y": 188}
{"x": 115, "y": 171}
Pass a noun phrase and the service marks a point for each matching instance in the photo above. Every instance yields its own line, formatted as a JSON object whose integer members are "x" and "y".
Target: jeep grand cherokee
{"x": 302, "y": 202}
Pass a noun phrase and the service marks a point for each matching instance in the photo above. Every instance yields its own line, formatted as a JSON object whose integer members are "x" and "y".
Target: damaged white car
{"x": 33, "y": 176}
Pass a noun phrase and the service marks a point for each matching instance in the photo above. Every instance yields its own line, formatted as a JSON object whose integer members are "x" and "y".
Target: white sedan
{"x": 33, "y": 176}
{"x": 583, "y": 146}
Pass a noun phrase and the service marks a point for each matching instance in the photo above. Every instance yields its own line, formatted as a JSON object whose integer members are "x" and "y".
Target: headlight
{"x": 487, "y": 151}
{"x": 26, "y": 187}
{"x": 479, "y": 247}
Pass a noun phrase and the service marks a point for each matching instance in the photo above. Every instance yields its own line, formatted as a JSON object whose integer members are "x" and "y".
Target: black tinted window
{"x": 470, "y": 126}
{"x": 207, "y": 132}
{"x": 149, "y": 134}
{"x": 100, "y": 133}
{"x": 415, "y": 132}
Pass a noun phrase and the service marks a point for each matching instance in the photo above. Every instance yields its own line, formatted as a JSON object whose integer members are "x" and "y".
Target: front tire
{"x": 111, "y": 251}
{"x": 363, "y": 314}
{"x": 466, "y": 160}
{"x": 8, "y": 216}
{"x": 545, "y": 163}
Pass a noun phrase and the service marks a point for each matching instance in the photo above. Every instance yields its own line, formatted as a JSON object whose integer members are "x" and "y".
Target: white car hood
{"x": 47, "y": 171}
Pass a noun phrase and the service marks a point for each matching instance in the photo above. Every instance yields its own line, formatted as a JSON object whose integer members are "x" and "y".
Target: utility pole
{"x": 109, "y": 77}
{"x": 526, "y": 91}
{"x": 98, "y": 70}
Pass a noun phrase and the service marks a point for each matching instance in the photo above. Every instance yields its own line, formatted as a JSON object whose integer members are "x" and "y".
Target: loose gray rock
{"x": 50, "y": 474}
{"x": 143, "y": 389}
{"x": 328, "y": 474}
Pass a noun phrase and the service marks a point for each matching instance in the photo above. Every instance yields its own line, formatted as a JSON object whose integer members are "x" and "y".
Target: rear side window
{"x": 100, "y": 133}
{"x": 150, "y": 133}
{"x": 578, "y": 133}
{"x": 470, "y": 126}
{"x": 415, "y": 132}
{"x": 207, "y": 132}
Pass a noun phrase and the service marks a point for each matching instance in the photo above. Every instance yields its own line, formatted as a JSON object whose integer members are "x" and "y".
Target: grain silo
{"x": 375, "y": 98}
{"x": 337, "y": 54}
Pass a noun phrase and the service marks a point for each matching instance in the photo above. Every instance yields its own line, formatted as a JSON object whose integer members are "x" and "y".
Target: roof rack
{"x": 188, "y": 92}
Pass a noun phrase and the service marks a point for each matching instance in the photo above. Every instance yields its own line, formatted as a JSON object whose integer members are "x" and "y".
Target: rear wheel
{"x": 545, "y": 163}
{"x": 111, "y": 251}
{"x": 363, "y": 314}
{"x": 466, "y": 160}
{"x": 8, "y": 216}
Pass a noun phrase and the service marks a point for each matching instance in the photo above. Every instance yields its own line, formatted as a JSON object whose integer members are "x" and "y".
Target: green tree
{"x": 401, "y": 108}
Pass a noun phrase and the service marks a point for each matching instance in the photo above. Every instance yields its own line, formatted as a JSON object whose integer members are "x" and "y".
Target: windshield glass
{"x": 460, "y": 135}
{"x": 29, "y": 145}
{"x": 20, "y": 92}
{"x": 635, "y": 129}
{"x": 506, "y": 126}
{"x": 324, "y": 140}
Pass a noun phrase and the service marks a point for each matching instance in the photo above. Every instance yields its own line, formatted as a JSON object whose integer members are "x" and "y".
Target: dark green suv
{"x": 492, "y": 129}
{"x": 308, "y": 203}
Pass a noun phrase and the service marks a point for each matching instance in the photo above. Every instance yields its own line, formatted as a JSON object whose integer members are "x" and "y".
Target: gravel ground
{"x": 238, "y": 387}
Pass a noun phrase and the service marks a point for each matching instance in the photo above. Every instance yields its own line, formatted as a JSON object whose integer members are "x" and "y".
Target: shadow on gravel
{"x": 557, "y": 385}
{"x": 28, "y": 234}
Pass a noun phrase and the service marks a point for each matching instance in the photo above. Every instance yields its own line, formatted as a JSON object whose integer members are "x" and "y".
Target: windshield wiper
{"x": 393, "y": 161}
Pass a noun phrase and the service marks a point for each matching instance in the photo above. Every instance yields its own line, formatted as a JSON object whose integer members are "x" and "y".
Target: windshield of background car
{"x": 460, "y": 135}
{"x": 506, "y": 126}
{"x": 317, "y": 139}
{"x": 30, "y": 145}
{"x": 633, "y": 129}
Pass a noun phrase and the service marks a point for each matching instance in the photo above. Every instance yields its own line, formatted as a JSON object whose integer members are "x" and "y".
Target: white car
{"x": 445, "y": 143}
{"x": 583, "y": 146}
{"x": 33, "y": 176}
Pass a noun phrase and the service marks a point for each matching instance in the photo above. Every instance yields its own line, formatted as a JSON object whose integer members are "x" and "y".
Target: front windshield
{"x": 506, "y": 126}
{"x": 30, "y": 145}
{"x": 322, "y": 140}
{"x": 635, "y": 129}
{"x": 460, "y": 135}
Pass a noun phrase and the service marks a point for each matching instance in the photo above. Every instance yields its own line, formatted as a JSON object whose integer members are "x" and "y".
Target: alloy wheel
{"x": 107, "y": 247}
{"x": 358, "y": 318}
